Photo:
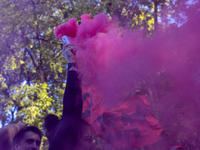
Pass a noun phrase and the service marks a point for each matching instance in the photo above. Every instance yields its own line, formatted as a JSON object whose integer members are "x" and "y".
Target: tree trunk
{"x": 155, "y": 14}
{"x": 41, "y": 71}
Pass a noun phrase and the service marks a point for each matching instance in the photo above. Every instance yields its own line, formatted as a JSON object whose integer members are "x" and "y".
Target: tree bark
{"x": 155, "y": 14}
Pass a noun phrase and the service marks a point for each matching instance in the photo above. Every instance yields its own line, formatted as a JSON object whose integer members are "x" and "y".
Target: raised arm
{"x": 7, "y": 133}
{"x": 67, "y": 133}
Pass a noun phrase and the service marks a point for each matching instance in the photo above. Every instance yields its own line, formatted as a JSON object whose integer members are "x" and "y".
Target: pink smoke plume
{"x": 117, "y": 60}
{"x": 69, "y": 29}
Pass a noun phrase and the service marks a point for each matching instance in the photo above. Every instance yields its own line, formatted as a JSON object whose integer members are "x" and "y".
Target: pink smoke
{"x": 116, "y": 60}
{"x": 69, "y": 29}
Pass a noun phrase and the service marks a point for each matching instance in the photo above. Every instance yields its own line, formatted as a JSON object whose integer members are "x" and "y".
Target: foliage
{"x": 32, "y": 72}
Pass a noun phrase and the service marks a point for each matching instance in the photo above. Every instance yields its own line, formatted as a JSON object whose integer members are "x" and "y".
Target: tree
{"x": 32, "y": 69}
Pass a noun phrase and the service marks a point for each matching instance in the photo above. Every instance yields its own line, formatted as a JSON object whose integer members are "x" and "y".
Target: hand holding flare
{"x": 68, "y": 50}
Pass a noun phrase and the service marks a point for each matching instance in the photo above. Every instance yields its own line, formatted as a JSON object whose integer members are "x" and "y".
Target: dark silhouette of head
{"x": 85, "y": 140}
{"x": 177, "y": 148}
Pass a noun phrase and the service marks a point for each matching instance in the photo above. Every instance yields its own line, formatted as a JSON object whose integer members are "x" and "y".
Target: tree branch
{"x": 31, "y": 57}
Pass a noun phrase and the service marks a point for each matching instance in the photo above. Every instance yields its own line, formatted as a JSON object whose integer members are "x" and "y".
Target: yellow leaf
{"x": 21, "y": 61}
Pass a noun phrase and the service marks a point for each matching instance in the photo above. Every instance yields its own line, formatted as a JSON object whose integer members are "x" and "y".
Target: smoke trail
{"x": 116, "y": 60}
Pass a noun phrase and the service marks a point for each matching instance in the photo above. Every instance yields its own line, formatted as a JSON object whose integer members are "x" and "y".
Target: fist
{"x": 69, "y": 52}
{"x": 21, "y": 125}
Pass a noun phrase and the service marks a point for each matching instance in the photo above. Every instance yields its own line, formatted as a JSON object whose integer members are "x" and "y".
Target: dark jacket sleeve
{"x": 67, "y": 133}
